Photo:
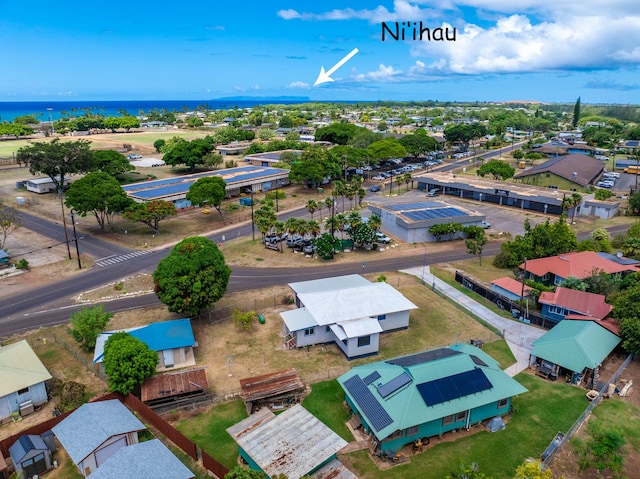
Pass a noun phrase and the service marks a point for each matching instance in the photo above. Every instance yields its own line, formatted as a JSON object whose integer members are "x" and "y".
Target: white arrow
{"x": 325, "y": 77}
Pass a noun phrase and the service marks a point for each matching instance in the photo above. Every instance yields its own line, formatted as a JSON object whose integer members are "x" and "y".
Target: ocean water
{"x": 40, "y": 109}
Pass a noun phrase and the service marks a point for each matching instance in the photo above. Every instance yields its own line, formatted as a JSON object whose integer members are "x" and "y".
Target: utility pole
{"x": 64, "y": 222}
{"x": 253, "y": 223}
{"x": 75, "y": 238}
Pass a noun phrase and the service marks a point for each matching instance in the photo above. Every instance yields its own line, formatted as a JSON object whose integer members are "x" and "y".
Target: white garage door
{"x": 108, "y": 451}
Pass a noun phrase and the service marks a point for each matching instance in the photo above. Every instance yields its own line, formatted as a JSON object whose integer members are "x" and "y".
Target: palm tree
{"x": 353, "y": 219}
{"x": 340, "y": 189}
{"x": 576, "y": 200}
{"x": 341, "y": 220}
{"x": 375, "y": 222}
{"x": 329, "y": 203}
{"x": 292, "y": 225}
{"x": 312, "y": 207}
{"x": 361, "y": 194}
{"x": 314, "y": 228}
{"x": 279, "y": 228}
{"x": 320, "y": 205}
{"x": 407, "y": 179}
{"x": 303, "y": 227}
{"x": 331, "y": 223}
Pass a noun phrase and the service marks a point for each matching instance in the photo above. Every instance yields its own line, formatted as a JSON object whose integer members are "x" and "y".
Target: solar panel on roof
{"x": 419, "y": 215}
{"x": 392, "y": 386}
{"x": 367, "y": 402}
{"x": 453, "y": 387}
{"x": 371, "y": 377}
{"x": 413, "y": 206}
{"x": 477, "y": 360}
{"x": 425, "y": 357}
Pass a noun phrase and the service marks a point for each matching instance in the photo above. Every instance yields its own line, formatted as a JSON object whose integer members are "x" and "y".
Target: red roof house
{"x": 565, "y": 303}
{"x": 581, "y": 265}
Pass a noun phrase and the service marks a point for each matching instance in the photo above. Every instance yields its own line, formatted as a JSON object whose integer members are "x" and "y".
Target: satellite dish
{"x": 619, "y": 254}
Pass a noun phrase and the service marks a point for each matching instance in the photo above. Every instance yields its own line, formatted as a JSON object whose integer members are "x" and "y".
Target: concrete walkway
{"x": 519, "y": 336}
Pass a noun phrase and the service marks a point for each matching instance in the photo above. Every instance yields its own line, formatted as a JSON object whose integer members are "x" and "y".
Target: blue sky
{"x": 550, "y": 51}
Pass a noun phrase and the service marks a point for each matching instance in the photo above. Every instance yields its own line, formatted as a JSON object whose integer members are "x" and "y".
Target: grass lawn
{"x": 209, "y": 431}
{"x": 547, "y": 408}
{"x": 325, "y": 403}
{"x": 499, "y": 350}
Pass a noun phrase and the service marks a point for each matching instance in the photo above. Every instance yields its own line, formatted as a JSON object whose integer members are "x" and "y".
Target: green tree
{"x": 150, "y": 213}
{"x": 602, "y": 194}
{"x": 517, "y": 154}
{"x": 475, "y": 241}
{"x": 208, "y": 191}
{"x": 312, "y": 207}
{"x": 127, "y": 362}
{"x": 244, "y": 319}
{"x": 498, "y": 169}
{"x": 385, "y": 149}
{"x": 189, "y": 153}
{"x": 100, "y": 194}
{"x": 338, "y": 133}
{"x": 576, "y": 113}
{"x": 419, "y": 143}
{"x": 86, "y": 324}
{"x": 314, "y": 166}
{"x": 363, "y": 234}
{"x": 159, "y": 145}
{"x": 571, "y": 282}
{"x": 9, "y": 222}
{"x": 265, "y": 134}
{"x": 542, "y": 240}
{"x": 634, "y": 204}
{"x": 604, "y": 451}
{"x": 57, "y": 159}
{"x": 192, "y": 277}
{"x": 111, "y": 162}
{"x": 532, "y": 470}
{"x": 285, "y": 122}
{"x": 325, "y": 245}
{"x": 240, "y": 472}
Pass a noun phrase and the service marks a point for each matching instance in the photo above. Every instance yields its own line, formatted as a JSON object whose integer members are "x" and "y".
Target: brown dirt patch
{"x": 132, "y": 285}
{"x": 565, "y": 463}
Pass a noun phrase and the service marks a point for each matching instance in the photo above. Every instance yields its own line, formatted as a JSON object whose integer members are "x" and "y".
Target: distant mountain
{"x": 263, "y": 98}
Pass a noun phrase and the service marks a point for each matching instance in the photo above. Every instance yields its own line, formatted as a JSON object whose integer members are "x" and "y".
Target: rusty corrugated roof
{"x": 272, "y": 384}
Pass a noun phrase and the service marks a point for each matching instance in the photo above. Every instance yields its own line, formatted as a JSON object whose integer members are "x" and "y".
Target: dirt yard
{"x": 565, "y": 463}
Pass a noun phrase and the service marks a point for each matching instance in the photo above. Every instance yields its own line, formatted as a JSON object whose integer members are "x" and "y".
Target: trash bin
{"x": 261, "y": 319}
{"x": 515, "y": 313}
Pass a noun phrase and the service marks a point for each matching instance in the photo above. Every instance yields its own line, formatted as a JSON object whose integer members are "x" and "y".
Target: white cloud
{"x": 515, "y": 44}
{"x": 297, "y": 84}
{"x": 402, "y": 10}
{"x": 382, "y": 74}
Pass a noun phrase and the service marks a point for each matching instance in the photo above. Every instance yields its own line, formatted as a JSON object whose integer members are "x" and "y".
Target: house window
{"x": 382, "y": 317}
{"x": 448, "y": 420}
{"x": 546, "y": 276}
{"x": 461, "y": 416}
{"x": 23, "y": 390}
{"x": 364, "y": 341}
{"x": 412, "y": 431}
{"x": 503, "y": 403}
{"x": 310, "y": 331}
{"x": 558, "y": 280}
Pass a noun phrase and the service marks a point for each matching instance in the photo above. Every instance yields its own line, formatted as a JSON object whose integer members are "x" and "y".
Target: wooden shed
{"x": 274, "y": 390}
{"x": 170, "y": 387}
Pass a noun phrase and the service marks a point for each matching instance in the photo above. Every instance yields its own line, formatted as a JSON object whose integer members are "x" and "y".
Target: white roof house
{"x": 348, "y": 310}
{"x": 22, "y": 378}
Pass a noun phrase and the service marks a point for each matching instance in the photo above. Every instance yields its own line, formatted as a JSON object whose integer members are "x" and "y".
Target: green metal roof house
{"x": 427, "y": 394}
{"x": 575, "y": 346}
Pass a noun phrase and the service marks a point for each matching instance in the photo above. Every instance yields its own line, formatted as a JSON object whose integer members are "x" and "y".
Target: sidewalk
{"x": 519, "y": 336}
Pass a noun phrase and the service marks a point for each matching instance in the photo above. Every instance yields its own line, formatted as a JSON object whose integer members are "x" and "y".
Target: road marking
{"x": 109, "y": 260}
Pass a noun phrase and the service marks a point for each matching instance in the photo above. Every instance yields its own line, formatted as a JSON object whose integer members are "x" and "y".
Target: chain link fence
{"x": 90, "y": 365}
{"x": 587, "y": 412}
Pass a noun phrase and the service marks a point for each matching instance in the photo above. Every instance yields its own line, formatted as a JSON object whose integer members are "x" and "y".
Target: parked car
{"x": 273, "y": 238}
{"x": 602, "y": 184}
{"x": 485, "y": 225}
{"x": 292, "y": 240}
{"x": 134, "y": 156}
{"x": 375, "y": 188}
{"x": 309, "y": 249}
{"x": 379, "y": 177}
{"x": 433, "y": 192}
{"x": 301, "y": 245}
{"x": 612, "y": 174}
{"x": 382, "y": 238}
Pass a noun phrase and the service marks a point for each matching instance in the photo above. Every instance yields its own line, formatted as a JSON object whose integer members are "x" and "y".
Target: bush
{"x": 22, "y": 264}
{"x": 271, "y": 195}
{"x": 244, "y": 319}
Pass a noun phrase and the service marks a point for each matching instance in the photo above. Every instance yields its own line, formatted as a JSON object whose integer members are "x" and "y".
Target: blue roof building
{"x": 95, "y": 431}
{"x": 145, "y": 460}
{"x": 31, "y": 455}
{"x": 401, "y": 400}
{"x": 173, "y": 340}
